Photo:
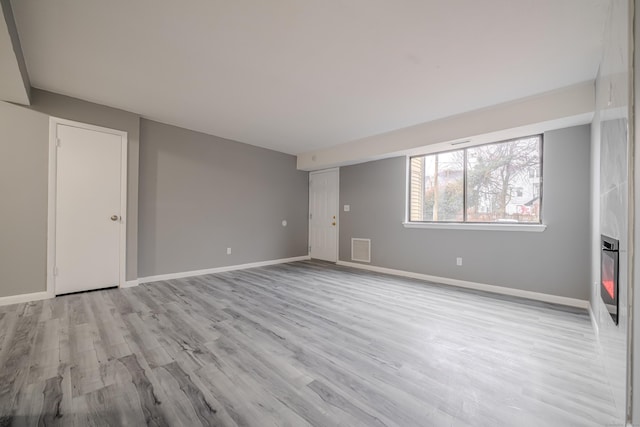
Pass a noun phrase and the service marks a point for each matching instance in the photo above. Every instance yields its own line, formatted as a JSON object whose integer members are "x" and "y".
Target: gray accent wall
{"x": 23, "y": 190}
{"x": 69, "y": 108}
{"x": 200, "y": 194}
{"x": 555, "y": 262}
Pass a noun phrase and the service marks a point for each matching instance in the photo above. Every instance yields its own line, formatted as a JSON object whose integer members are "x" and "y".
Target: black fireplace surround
{"x": 609, "y": 275}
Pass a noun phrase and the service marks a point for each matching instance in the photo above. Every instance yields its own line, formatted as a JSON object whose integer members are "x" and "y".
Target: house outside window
{"x": 492, "y": 183}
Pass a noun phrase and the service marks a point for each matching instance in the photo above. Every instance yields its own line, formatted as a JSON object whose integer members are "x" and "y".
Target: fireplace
{"x": 609, "y": 275}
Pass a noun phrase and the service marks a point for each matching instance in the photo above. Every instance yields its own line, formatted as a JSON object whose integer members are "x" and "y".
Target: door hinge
{"x": 55, "y": 271}
{"x": 309, "y": 248}
{"x": 58, "y": 142}
{"x": 310, "y": 216}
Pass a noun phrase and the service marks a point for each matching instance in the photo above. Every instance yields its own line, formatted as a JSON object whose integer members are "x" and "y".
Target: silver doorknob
{"x": 114, "y": 217}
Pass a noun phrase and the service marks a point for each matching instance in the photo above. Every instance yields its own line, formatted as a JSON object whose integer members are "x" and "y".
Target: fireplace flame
{"x": 608, "y": 285}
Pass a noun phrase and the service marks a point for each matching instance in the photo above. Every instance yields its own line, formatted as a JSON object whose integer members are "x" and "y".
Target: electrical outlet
{"x": 228, "y": 251}
{"x": 459, "y": 261}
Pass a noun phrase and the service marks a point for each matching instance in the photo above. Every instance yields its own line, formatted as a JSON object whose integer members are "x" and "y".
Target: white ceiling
{"x": 296, "y": 75}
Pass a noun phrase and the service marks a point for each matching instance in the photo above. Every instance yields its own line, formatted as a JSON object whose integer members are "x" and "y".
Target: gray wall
{"x": 65, "y": 107}
{"x": 556, "y": 261}
{"x": 200, "y": 194}
{"x": 7, "y": 12}
{"x": 23, "y": 191}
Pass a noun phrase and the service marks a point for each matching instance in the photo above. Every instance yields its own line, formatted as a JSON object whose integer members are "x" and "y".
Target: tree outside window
{"x": 499, "y": 182}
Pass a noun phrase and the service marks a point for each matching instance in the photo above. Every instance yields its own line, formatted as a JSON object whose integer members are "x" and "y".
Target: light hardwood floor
{"x": 306, "y": 343}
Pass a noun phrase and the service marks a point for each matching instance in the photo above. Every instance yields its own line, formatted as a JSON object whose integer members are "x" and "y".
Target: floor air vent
{"x": 361, "y": 250}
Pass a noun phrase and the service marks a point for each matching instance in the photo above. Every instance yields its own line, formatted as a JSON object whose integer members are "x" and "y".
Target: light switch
{"x": 347, "y": 208}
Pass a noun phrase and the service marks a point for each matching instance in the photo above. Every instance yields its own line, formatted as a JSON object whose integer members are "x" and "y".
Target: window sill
{"x": 536, "y": 228}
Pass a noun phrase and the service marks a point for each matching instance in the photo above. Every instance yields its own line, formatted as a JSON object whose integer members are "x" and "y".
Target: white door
{"x": 89, "y": 205}
{"x": 323, "y": 215}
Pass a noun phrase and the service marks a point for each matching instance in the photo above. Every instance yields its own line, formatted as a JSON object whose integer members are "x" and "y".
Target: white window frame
{"x": 480, "y": 226}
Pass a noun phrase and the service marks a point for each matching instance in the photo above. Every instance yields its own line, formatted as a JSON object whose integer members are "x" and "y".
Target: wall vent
{"x": 361, "y": 250}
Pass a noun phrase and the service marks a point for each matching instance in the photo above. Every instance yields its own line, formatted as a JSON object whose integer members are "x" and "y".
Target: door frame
{"x": 52, "y": 196}
{"x": 337, "y": 172}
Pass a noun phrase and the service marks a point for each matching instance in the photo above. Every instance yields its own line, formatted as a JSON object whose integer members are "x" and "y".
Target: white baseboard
{"x": 18, "y": 299}
{"x": 36, "y": 296}
{"x": 537, "y": 296}
{"x": 184, "y": 274}
{"x": 130, "y": 283}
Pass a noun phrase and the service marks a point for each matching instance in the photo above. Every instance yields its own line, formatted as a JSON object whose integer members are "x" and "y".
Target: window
{"x": 492, "y": 183}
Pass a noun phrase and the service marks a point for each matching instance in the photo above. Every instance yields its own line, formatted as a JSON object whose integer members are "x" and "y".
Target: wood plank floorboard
{"x": 305, "y": 343}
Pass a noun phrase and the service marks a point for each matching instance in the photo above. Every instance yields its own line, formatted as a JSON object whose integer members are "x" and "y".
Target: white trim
{"x": 407, "y": 190}
{"x": 537, "y": 228}
{"x": 124, "y": 181}
{"x": 51, "y": 215}
{"x": 214, "y": 270}
{"x": 537, "y": 296}
{"x": 36, "y": 296}
{"x": 336, "y": 169}
{"x": 51, "y": 208}
{"x": 18, "y": 299}
{"x": 130, "y": 283}
{"x": 337, "y": 214}
{"x": 87, "y": 126}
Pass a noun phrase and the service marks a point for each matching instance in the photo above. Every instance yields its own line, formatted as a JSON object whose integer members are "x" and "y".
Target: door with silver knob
{"x": 89, "y": 205}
